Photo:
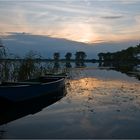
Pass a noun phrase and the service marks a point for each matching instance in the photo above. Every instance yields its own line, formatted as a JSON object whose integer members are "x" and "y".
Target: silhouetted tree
{"x": 129, "y": 54}
{"x": 80, "y": 56}
{"x": 56, "y": 56}
{"x": 100, "y": 55}
{"x": 68, "y": 56}
{"x": 3, "y": 53}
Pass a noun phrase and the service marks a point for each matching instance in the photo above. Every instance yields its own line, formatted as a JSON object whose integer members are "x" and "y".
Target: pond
{"x": 100, "y": 103}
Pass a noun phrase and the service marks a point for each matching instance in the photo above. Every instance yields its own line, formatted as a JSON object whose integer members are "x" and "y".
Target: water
{"x": 100, "y": 103}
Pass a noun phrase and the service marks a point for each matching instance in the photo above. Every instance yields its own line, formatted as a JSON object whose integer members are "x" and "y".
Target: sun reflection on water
{"x": 105, "y": 94}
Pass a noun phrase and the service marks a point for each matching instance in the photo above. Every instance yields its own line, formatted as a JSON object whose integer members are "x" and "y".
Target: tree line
{"x": 129, "y": 54}
{"x": 79, "y": 56}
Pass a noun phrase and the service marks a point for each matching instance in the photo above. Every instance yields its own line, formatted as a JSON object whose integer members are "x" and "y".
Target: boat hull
{"x": 10, "y": 111}
{"x": 26, "y": 92}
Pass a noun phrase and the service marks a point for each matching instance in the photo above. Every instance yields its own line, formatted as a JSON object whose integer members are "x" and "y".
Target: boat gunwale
{"x": 53, "y": 81}
{"x": 30, "y": 85}
{"x": 13, "y": 86}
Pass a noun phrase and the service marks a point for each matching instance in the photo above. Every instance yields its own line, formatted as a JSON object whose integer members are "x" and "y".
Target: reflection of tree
{"x": 80, "y": 64}
{"x": 68, "y": 58}
{"x": 56, "y": 65}
{"x": 127, "y": 68}
{"x": 68, "y": 64}
{"x": 80, "y": 59}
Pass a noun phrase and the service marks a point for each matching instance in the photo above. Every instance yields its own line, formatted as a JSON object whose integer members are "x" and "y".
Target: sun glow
{"x": 80, "y": 32}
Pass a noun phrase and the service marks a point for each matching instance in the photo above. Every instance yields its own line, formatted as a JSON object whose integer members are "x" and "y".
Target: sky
{"x": 88, "y": 21}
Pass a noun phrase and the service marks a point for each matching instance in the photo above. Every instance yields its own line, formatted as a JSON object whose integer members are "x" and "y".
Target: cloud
{"x": 85, "y": 21}
{"x": 112, "y": 17}
{"x": 128, "y": 1}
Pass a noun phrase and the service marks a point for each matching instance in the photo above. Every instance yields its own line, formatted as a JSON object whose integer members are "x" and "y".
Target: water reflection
{"x": 68, "y": 65}
{"x": 10, "y": 111}
{"x": 56, "y": 66}
{"x": 19, "y": 70}
{"x": 110, "y": 106}
{"x": 131, "y": 69}
{"x": 96, "y": 106}
{"x": 79, "y": 64}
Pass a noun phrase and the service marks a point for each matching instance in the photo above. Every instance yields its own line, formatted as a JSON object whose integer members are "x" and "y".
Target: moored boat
{"x": 15, "y": 110}
{"x": 34, "y": 88}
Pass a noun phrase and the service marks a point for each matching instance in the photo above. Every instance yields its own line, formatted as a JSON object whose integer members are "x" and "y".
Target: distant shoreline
{"x": 50, "y": 60}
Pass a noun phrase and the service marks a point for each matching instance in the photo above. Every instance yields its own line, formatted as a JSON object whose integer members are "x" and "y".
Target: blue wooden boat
{"x": 34, "y": 88}
{"x": 14, "y": 110}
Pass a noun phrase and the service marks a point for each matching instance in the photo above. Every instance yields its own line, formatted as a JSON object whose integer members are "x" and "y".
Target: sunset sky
{"x": 89, "y": 21}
